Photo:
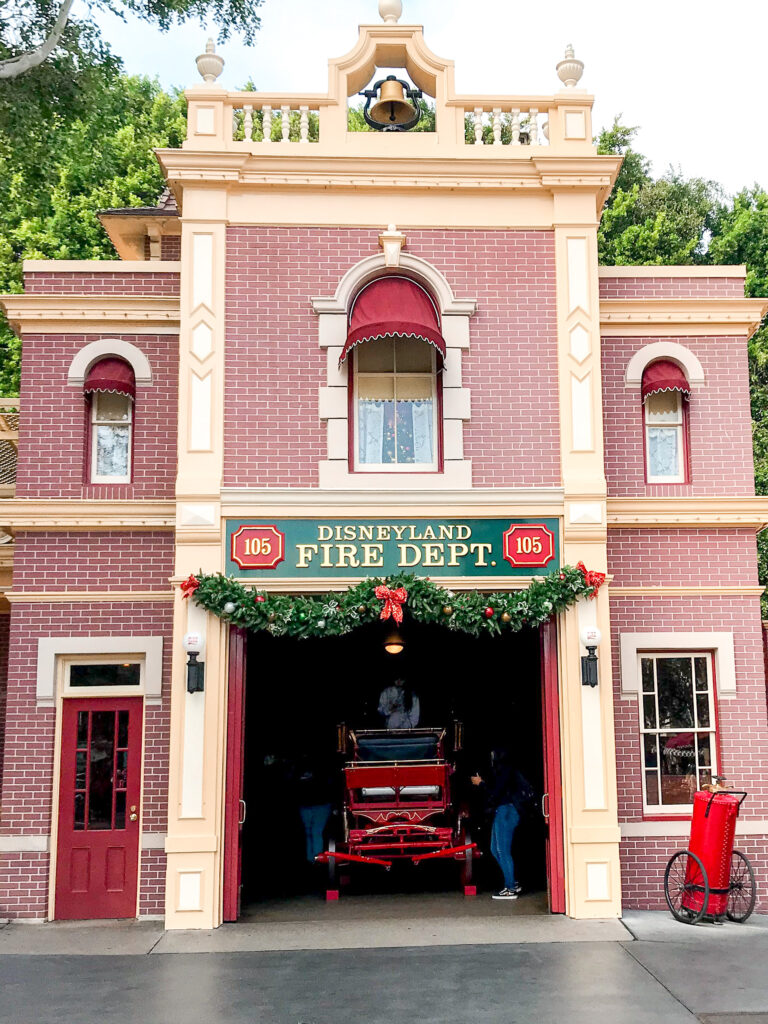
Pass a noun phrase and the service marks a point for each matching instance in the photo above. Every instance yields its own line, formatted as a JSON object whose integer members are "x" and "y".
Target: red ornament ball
{"x": 489, "y": 612}
{"x": 562, "y": 575}
{"x": 258, "y": 598}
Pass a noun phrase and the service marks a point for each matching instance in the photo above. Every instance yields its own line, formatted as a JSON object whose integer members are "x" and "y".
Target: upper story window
{"x": 677, "y": 725}
{"x": 665, "y": 396}
{"x": 395, "y": 399}
{"x": 111, "y": 386}
{"x": 394, "y": 331}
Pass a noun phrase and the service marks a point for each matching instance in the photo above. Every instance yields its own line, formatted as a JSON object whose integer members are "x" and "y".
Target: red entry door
{"x": 234, "y": 810}
{"x": 553, "y": 797}
{"x": 97, "y": 863}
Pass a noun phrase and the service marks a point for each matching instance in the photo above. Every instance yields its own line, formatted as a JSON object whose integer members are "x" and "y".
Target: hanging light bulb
{"x": 394, "y": 643}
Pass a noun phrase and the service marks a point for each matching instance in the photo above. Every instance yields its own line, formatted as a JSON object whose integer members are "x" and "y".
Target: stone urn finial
{"x": 390, "y": 11}
{"x": 210, "y": 64}
{"x": 570, "y": 70}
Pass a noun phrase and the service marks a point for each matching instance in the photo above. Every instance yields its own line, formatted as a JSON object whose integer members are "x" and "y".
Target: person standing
{"x": 508, "y": 793}
{"x": 314, "y": 786}
{"x": 399, "y": 705}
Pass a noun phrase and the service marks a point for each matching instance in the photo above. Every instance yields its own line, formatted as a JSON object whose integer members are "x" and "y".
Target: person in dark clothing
{"x": 314, "y": 787}
{"x": 507, "y": 795}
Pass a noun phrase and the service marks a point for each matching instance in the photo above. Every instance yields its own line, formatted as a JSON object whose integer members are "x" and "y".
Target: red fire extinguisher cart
{"x": 710, "y": 878}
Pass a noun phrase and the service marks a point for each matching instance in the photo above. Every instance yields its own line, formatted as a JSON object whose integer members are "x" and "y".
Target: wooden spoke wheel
{"x": 686, "y": 880}
{"x": 467, "y": 864}
{"x": 742, "y": 893}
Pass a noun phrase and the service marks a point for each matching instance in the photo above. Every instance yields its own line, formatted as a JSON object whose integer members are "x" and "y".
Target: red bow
{"x": 392, "y": 599}
{"x": 591, "y": 578}
{"x": 189, "y": 586}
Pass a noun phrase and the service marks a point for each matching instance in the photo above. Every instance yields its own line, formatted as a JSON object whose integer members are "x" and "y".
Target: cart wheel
{"x": 742, "y": 893}
{"x": 333, "y": 870}
{"x": 468, "y": 861}
{"x": 686, "y": 876}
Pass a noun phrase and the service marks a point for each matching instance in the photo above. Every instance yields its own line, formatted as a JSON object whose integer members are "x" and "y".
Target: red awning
{"x": 664, "y": 376}
{"x": 111, "y": 375}
{"x": 393, "y": 306}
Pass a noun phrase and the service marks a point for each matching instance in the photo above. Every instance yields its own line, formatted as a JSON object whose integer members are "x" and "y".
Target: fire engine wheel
{"x": 468, "y": 861}
{"x": 742, "y": 892}
{"x": 333, "y": 870}
{"x": 686, "y": 878}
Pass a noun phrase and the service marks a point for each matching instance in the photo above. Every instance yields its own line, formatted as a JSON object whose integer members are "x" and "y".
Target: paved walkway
{"x": 656, "y": 972}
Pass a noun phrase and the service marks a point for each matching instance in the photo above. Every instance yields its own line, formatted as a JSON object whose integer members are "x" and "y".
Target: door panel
{"x": 553, "y": 800}
{"x": 97, "y": 860}
{"x": 234, "y": 812}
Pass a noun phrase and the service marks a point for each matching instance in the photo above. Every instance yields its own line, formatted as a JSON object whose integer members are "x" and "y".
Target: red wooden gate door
{"x": 553, "y": 796}
{"x": 234, "y": 810}
{"x": 97, "y": 861}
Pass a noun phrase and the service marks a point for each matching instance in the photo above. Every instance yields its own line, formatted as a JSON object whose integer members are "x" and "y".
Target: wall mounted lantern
{"x": 193, "y": 645}
{"x": 392, "y": 112}
{"x": 590, "y": 637}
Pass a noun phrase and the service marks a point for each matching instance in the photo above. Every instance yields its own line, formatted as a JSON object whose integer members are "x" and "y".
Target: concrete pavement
{"x": 667, "y": 974}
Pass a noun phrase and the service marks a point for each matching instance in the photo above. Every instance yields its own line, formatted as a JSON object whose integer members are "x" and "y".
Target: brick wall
{"x": 52, "y": 434}
{"x": 672, "y": 287}
{"x": 112, "y": 560}
{"x": 680, "y": 557}
{"x": 719, "y": 420}
{"x": 275, "y": 366}
{"x": 27, "y": 786}
{"x": 5, "y": 624}
{"x": 60, "y": 282}
{"x": 170, "y": 247}
{"x": 742, "y": 719}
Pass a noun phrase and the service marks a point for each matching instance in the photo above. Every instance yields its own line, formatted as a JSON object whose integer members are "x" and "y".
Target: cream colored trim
{"x": 335, "y": 473}
{"x": 102, "y": 314}
{"x": 694, "y": 371}
{"x": 661, "y": 829}
{"x": 721, "y": 644}
{"x": 86, "y": 596}
{"x": 153, "y": 841}
{"x": 101, "y": 267}
{"x": 25, "y": 844}
{"x": 649, "y": 591}
{"x": 686, "y": 316}
{"x": 98, "y": 514}
{"x": 51, "y": 649}
{"x": 738, "y": 270}
{"x": 309, "y": 503}
{"x": 696, "y": 512}
{"x": 89, "y": 354}
{"x": 322, "y": 585}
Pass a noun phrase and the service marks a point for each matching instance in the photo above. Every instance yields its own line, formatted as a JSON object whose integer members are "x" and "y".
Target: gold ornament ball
{"x": 271, "y": 617}
{"x": 362, "y": 610}
{"x": 506, "y": 617}
{"x": 447, "y": 609}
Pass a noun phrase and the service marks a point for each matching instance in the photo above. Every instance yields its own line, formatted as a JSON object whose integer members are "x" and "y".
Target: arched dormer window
{"x": 396, "y": 351}
{"x": 665, "y": 394}
{"x": 110, "y": 388}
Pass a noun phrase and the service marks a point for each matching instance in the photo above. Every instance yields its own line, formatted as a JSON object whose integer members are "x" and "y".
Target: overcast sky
{"x": 690, "y": 73}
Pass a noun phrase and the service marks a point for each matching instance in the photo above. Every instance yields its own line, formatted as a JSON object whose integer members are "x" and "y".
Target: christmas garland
{"x": 334, "y": 614}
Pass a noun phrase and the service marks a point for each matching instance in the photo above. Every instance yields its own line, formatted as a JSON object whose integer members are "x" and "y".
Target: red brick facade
{"x": 272, "y": 426}
{"x": 720, "y": 425}
{"x": 53, "y": 436}
{"x": 109, "y": 283}
{"x": 5, "y": 626}
{"x": 671, "y": 287}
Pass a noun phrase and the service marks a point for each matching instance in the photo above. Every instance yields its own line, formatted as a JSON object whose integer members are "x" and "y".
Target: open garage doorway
{"x": 287, "y": 700}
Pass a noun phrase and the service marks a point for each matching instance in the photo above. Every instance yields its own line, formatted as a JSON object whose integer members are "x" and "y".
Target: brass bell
{"x": 391, "y": 107}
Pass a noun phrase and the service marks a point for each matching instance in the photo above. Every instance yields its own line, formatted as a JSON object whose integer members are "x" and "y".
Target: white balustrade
{"x": 254, "y": 122}
{"x": 506, "y": 126}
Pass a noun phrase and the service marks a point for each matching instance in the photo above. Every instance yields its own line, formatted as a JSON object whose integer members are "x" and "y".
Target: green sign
{"x": 342, "y": 548}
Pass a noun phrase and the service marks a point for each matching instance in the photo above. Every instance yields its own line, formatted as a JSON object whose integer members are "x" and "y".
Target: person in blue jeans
{"x": 314, "y": 786}
{"x": 507, "y": 793}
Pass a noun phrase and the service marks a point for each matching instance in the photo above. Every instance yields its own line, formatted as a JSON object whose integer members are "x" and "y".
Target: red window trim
{"x": 351, "y": 420}
{"x": 686, "y": 451}
{"x": 686, "y": 815}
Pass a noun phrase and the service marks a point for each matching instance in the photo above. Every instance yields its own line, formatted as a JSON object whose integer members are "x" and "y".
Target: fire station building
{"x": 329, "y": 355}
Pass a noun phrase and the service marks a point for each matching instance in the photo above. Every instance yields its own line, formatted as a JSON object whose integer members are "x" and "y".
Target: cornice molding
{"x": 62, "y": 514}
{"x": 642, "y": 591}
{"x": 86, "y": 596}
{"x": 681, "y": 316}
{"x": 693, "y": 512}
{"x": 136, "y": 314}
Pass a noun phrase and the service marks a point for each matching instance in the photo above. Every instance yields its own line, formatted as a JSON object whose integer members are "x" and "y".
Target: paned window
{"x": 677, "y": 725}
{"x": 111, "y": 427}
{"x": 395, "y": 404}
{"x": 664, "y": 437}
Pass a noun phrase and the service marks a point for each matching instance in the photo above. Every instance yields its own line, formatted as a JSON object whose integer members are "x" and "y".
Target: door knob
{"x": 133, "y": 816}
